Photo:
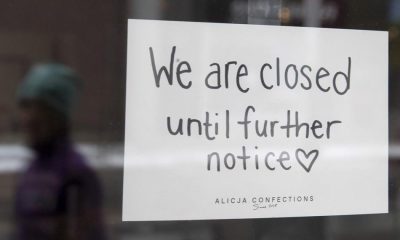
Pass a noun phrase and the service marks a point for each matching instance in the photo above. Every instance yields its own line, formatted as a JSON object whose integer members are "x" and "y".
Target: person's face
{"x": 40, "y": 123}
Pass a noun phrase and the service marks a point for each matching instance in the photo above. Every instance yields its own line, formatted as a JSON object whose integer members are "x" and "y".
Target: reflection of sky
{"x": 394, "y": 11}
{"x": 14, "y": 157}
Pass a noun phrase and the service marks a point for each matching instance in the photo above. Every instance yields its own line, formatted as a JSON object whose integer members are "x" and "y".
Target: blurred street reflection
{"x": 59, "y": 195}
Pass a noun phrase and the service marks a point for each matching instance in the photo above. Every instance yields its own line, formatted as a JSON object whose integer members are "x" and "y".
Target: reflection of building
{"x": 87, "y": 35}
{"x": 91, "y": 37}
{"x": 288, "y": 12}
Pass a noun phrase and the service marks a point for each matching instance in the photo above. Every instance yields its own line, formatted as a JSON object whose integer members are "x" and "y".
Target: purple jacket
{"x": 59, "y": 197}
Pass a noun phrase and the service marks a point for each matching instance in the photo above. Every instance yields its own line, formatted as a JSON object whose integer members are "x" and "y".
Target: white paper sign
{"x": 231, "y": 121}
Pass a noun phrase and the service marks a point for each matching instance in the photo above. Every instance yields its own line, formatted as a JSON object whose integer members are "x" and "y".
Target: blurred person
{"x": 59, "y": 195}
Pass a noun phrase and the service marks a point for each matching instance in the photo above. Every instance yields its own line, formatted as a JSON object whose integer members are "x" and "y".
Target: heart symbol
{"x": 301, "y": 154}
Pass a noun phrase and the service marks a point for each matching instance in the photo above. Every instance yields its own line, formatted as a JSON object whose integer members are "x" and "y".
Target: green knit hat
{"x": 54, "y": 84}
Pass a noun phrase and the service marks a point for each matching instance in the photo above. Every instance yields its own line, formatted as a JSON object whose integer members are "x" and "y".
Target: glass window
{"x": 61, "y": 147}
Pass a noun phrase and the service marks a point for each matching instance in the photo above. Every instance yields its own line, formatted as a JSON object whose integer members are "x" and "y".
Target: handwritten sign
{"x": 243, "y": 121}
